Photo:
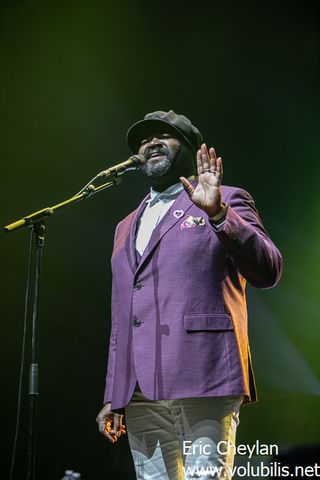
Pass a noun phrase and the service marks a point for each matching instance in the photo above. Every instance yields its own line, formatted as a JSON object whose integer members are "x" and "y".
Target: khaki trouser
{"x": 182, "y": 439}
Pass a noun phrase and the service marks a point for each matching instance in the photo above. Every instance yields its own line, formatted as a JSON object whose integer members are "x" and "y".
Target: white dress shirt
{"x": 157, "y": 207}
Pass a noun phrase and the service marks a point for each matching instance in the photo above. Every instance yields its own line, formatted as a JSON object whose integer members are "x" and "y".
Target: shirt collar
{"x": 168, "y": 194}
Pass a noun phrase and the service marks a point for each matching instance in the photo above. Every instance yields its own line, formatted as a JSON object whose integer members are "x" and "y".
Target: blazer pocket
{"x": 196, "y": 230}
{"x": 215, "y": 321}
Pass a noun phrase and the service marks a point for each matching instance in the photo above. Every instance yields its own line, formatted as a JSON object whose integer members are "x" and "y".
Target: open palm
{"x": 206, "y": 195}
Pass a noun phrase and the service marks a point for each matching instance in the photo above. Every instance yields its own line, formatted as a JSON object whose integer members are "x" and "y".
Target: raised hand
{"x": 207, "y": 194}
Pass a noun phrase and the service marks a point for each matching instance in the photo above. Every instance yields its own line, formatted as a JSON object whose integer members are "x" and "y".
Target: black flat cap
{"x": 160, "y": 122}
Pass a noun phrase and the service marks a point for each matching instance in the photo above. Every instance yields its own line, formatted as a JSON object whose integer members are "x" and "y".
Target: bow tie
{"x": 162, "y": 196}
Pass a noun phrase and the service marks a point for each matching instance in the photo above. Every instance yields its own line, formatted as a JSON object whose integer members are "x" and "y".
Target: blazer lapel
{"x": 174, "y": 215}
{"x": 130, "y": 240}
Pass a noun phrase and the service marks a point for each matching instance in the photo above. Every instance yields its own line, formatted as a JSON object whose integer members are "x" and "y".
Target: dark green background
{"x": 74, "y": 76}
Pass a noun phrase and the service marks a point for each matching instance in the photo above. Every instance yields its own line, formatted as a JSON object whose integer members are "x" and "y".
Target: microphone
{"x": 133, "y": 163}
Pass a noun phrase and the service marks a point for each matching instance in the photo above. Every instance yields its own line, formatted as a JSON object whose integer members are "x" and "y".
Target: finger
{"x": 121, "y": 424}
{"x": 219, "y": 173}
{"x": 187, "y": 186}
{"x": 205, "y": 157}
{"x": 122, "y": 428}
{"x": 199, "y": 162}
{"x": 101, "y": 425}
{"x": 213, "y": 159}
{"x": 109, "y": 431}
{"x": 117, "y": 423}
{"x": 110, "y": 436}
{"x": 108, "y": 426}
{"x": 115, "y": 428}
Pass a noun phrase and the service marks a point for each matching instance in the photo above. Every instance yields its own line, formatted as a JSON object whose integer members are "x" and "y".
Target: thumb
{"x": 187, "y": 186}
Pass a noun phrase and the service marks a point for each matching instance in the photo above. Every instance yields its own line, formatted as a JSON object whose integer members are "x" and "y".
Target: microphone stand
{"x": 36, "y": 221}
{"x": 36, "y": 217}
{"x": 39, "y": 233}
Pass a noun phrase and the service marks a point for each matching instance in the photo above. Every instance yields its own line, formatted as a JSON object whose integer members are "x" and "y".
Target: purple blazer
{"x": 179, "y": 315}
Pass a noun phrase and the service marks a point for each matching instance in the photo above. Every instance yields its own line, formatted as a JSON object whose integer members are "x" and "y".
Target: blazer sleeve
{"x": 112, "y": 346}
{"x": 243, "y": 235}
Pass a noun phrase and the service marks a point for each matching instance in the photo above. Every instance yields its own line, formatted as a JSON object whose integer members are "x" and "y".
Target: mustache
{"x": 160, "y": 149}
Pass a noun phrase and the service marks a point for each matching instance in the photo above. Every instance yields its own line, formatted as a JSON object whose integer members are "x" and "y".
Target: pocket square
{"x": 191, "y": 222}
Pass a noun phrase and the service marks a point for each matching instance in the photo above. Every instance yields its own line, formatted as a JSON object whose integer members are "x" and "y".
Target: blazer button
{"x": 137, "y": 286}
{"x": 136, "y": 322}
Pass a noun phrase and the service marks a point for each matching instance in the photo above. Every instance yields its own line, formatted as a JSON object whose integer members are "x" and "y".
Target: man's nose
{"x": 154, "y": 141}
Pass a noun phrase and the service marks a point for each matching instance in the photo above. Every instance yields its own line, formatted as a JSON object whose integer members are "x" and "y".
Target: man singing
{"x": 179, "y": 363}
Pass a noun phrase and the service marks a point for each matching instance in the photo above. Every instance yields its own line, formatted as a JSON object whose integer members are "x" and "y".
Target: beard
{"x": 159, "y": 160}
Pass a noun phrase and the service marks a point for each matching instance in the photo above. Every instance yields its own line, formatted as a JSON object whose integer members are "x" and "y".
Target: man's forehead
{"x": 159, "y": 129}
